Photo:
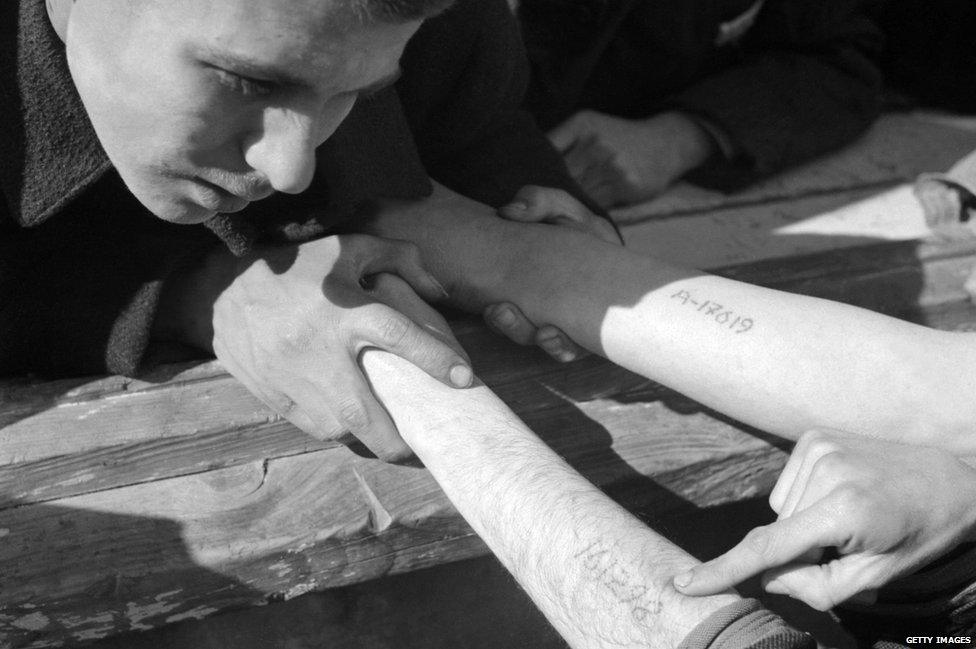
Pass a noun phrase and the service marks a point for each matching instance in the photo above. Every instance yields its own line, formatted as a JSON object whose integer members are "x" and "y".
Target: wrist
{"x": 466, "y": 246}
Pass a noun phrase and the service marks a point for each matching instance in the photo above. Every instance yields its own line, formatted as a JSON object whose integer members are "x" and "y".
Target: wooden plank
{"x": 897, "y": 149}
{"x": 148, "y": 554}
{"x": 202, "y": 419}
{"x": 144, "y": 555}
{"x": 126, "y": 504}
{"x": 37, "y": 464}
{"x": 787, "y": 229}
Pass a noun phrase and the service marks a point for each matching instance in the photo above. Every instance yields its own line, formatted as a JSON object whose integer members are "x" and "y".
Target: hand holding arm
{"x": 533, "y": 204}
{"x": 290, "y": 322}
{"x": 729, "y": 345}
{"x": 600, "y": 576}
{"x": 441, "y": 223}
{"x": 887, "y": 508}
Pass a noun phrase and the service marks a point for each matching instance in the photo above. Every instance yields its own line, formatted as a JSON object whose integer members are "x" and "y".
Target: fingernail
{"x": 505, "y": 317}
{"x": 440, "y": 287}
{"x": 556, "y": 348}
{"x": 518, "y": 206}
{"x": 461, "y": 376}
{"x": 682, "y": 580}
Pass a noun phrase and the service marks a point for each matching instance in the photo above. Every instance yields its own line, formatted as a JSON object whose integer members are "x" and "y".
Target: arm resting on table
{"x": 601, "y": 577}
{"x": 781, "y": 362}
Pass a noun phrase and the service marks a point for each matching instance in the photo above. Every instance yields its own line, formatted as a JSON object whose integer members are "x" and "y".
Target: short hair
{"x": 395, "y": 11}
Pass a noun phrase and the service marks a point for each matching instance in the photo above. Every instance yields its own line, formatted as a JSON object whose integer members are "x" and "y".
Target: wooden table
{"x": 127, "y": 504}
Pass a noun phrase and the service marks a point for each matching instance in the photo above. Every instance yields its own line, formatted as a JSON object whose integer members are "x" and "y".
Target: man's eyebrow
{"x": 243, "y": 65}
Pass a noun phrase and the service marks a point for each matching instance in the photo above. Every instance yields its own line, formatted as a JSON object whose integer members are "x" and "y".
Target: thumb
{"x": 826, "y": 585}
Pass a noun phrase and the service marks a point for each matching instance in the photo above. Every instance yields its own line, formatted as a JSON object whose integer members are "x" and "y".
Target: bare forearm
{"x": 781, "y": 362}
{"x": 600, "y": 576}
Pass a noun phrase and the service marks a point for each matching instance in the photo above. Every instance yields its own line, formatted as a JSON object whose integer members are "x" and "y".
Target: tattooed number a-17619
{"x": 716, "y": 312}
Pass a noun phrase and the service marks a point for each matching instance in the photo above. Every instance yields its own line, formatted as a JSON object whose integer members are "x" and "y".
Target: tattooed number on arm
{"x": 715, "y": 311}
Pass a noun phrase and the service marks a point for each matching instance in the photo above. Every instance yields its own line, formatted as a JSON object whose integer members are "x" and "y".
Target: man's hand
{"x": 534, "y": 204}
{"x": 884, "y": 508}
{"x": 291, "y": 325}
{"x": 622, "y": 162}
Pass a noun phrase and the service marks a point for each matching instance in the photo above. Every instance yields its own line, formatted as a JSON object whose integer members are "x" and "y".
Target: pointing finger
{"x": 763, "y": 548}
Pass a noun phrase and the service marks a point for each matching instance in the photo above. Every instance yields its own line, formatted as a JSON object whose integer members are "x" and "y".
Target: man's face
{"x": 205, "y": 105}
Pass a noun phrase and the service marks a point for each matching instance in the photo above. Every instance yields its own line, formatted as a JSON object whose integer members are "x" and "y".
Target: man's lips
{"x": 220, "y": 199}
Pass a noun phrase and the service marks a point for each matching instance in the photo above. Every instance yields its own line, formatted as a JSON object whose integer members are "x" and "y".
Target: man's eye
{"x": 244, "y": 85}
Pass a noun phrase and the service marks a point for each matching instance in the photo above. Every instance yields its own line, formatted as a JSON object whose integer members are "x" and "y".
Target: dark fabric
{"x": 746, "y": 624}
{"x": 465, "y": 75}
{"x": 82, "y": 263}
{"x": 930, "y": 51}
{"x": 801, "y": 81}
{"x": 939, "y": 600}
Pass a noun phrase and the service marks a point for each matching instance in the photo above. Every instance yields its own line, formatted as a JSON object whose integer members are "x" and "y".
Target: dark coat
{"x": 800, "y": 82}
{"x": 931, "y": 52}
{"x": 82, "y": 262}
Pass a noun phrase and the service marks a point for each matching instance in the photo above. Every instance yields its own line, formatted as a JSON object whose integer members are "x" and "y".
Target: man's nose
{"x": 283, "y": 150}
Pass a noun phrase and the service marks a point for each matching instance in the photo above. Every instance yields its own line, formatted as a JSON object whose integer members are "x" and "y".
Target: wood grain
{"x": 131, "y": 503}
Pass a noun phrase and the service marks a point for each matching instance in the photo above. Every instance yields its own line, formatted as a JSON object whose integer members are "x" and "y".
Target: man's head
{"x": 206, "y": 105}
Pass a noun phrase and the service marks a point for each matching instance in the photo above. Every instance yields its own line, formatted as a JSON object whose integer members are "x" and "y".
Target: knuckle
{"x": 294, "y": 340}
{"x": 352, "y": 414}
{"x": 393, "y": 330}
{"x": 284, "y": 406}
{"x": 850, "y": 503}
{"x": 410, "y": 252}
{"x": 562, "y": 197}
{"x": 818, "y": 442}
{"x": 830, "y": 465}
{"x": 758, "y": 541}
{"x": 531, "y": 193}
{"x": 812, "y": 436}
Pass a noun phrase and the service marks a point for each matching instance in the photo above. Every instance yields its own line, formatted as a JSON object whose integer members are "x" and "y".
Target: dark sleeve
{"x": 78, "y": 292}
{"x": 465, "y": 74}
{"x": 806, "y": 84}
{"x": 746, "y": 624}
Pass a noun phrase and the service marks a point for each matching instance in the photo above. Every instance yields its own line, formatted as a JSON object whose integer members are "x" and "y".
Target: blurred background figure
{"x": 638, "y": 94}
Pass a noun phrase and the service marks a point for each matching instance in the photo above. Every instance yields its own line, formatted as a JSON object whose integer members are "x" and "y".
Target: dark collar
{"x": 49, "y": 149}
{"x": 51, "y": 154}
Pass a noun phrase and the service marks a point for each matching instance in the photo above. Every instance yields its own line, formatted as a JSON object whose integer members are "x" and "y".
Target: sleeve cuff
{"x": 746, "y": 624}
